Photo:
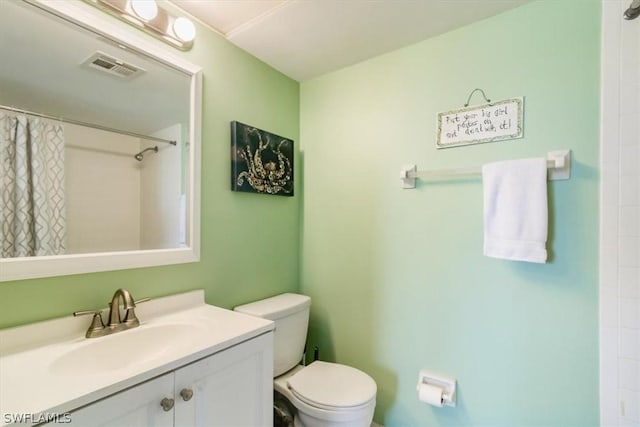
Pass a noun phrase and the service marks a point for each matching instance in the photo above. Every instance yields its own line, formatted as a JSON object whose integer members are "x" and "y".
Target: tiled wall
{"x": 620, "y": 220}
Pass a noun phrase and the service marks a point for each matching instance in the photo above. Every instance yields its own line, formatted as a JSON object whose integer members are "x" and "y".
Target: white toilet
{"x": 324, "y": 394}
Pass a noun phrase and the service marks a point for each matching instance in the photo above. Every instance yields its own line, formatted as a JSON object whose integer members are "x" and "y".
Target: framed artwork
{"x": 261, "y": 162}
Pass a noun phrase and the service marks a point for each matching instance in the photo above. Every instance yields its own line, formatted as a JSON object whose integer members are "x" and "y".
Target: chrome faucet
{"x": 116, "y": 323}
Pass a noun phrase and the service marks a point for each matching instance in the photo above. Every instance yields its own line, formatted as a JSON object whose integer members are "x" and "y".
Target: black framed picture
{"x": 261, "y": 162}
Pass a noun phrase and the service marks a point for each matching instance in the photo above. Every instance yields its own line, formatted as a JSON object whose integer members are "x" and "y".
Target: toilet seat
{"x": 332, "y": 387}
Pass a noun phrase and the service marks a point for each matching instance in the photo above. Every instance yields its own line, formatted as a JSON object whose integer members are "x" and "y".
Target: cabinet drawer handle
{"x": 167, "y": 404}
{"x": 186, "y": 394}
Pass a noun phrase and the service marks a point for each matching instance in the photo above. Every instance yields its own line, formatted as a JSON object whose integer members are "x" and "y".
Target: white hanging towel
{"x": 515, "y": 209}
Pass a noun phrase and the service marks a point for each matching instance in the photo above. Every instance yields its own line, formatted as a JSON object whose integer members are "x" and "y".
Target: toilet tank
{"x": 290, "y": 312}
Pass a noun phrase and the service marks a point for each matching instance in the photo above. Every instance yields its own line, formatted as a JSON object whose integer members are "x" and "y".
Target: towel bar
{"x": 558, "y": 166}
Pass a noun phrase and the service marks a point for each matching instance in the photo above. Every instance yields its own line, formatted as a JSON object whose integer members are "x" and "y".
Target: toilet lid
{"x": 331, "y": 385}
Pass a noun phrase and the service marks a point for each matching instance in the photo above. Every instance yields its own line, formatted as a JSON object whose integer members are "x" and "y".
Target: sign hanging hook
{"x": 483, "y": 95}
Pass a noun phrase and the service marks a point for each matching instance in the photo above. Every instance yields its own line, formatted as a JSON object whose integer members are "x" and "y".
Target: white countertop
{"x": 34, "y": 378}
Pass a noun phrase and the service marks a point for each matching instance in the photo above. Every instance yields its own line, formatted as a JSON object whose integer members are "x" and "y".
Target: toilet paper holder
{"x": 447, "y": 384}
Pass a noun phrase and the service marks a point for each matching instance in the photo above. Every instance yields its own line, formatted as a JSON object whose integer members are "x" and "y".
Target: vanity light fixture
{"x": 145, "y": 9}
{"x": 184, "y": 29}
{"x": 152, "y": 18}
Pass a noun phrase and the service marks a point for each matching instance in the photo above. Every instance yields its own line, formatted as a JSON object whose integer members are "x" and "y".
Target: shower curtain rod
{"x": 90, "y": 125}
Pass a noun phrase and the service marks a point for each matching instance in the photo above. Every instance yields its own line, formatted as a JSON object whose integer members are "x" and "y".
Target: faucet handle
{"x": 96, "y": 322}
{"x": 135, "y": 302}
{"x": 130, "y": 314}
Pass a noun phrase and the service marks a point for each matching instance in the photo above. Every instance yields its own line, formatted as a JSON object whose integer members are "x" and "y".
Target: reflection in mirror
{"x": 95, "y": 141}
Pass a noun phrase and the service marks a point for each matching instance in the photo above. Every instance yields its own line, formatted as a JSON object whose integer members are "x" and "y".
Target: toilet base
{"x": 304, "y": 420}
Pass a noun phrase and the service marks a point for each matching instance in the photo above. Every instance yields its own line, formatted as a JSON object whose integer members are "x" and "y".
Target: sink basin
{"x": 123, "y": 349}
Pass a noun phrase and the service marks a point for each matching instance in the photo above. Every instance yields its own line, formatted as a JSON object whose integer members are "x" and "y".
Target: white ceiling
{"x": 307, "y": 38}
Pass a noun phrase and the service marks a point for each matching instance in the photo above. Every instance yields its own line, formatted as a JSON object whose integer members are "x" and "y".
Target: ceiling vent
{"x": 116, "y": 67}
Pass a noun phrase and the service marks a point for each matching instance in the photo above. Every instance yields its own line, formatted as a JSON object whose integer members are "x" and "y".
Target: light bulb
{"x": 184, "y": 29}
{"x": 145, "y": 9}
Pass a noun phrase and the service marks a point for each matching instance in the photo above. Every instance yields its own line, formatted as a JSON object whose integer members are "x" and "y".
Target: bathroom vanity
{"x": 188, "y": 363}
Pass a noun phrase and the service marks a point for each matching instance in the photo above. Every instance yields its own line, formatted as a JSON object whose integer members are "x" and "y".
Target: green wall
{"x": 397, "y": 277}
{"x": 249, "y": 243}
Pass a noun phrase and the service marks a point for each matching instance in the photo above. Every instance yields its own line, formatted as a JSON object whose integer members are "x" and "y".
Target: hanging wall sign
{"x": 496, "y": 121}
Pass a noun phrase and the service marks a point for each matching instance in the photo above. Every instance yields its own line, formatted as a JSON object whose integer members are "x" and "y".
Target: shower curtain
{"x": 32, "y": 200}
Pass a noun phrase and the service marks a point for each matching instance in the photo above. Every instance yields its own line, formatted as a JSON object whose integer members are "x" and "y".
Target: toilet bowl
{"x": 324, "y": 394}
{"x": 329, "y": 394}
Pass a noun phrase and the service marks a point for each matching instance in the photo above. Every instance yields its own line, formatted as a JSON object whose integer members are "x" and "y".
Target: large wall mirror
{"x": 100, "y": 141}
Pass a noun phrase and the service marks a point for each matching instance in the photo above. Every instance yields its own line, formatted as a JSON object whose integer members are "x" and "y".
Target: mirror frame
{"x": 84, "y": 15}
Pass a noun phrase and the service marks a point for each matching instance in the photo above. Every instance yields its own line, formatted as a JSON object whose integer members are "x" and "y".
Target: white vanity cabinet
{"x": 136, "y": 406}
{"x": 233, "y": 387}
{"x": 211, "y": 366}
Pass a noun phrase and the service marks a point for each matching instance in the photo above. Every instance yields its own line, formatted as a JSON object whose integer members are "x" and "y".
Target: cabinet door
{"x": 230, "y": 388}
{"x": 137, "y": 406}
